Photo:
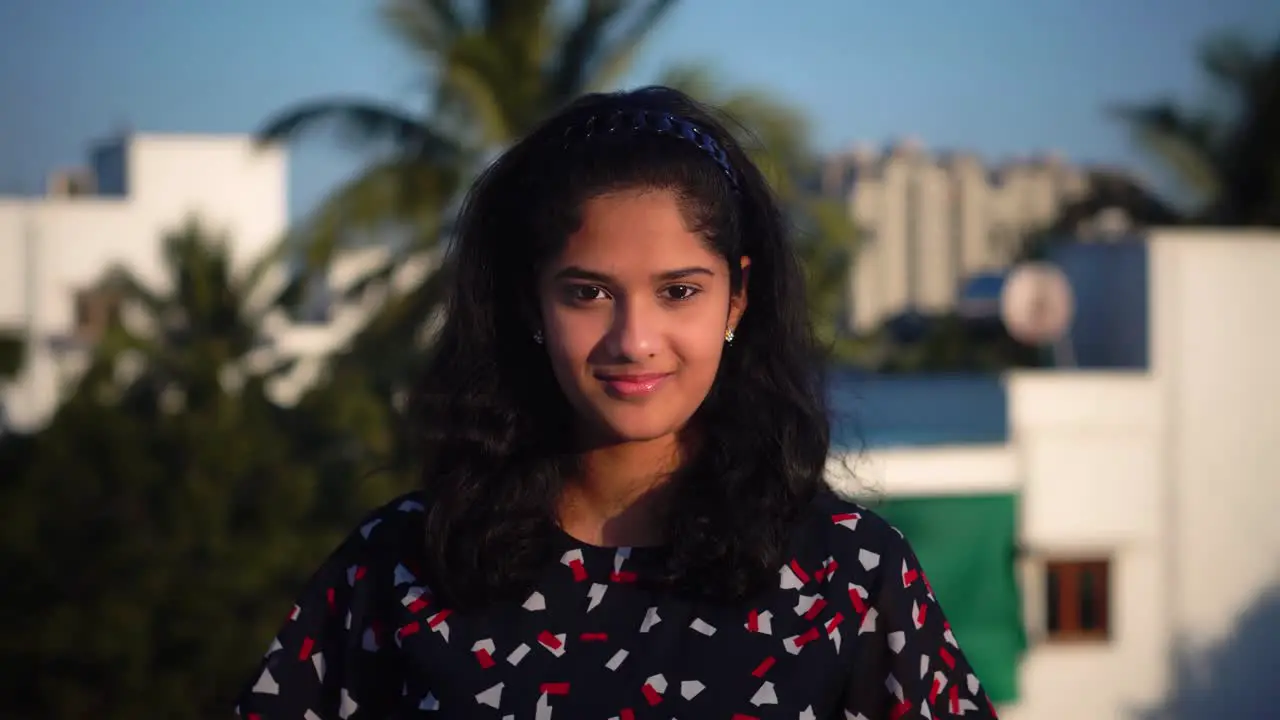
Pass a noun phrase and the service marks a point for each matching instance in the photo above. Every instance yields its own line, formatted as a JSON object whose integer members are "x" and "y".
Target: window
{"x": 1077, "y": 600}
{"x": 94, "y": 312}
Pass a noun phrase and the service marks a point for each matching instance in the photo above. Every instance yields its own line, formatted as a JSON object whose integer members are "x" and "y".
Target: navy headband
{"x": 651, "y": 122}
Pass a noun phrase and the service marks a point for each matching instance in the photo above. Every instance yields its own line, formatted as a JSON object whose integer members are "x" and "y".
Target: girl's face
{"x": 634, "y": 310}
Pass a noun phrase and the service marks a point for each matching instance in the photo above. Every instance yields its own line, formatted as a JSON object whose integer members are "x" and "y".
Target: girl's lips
{"x": 629, "y": 386}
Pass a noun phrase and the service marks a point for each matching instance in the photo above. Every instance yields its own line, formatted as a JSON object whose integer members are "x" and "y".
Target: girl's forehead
{"x": 640, "y": 230}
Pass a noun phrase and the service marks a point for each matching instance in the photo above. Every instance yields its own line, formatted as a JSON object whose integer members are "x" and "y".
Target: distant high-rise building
{"x": 930, "y": 220}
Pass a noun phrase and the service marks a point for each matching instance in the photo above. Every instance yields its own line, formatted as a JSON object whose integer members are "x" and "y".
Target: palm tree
{"x": 777, "y": 136}
{"x": 1226, "y": 156}
{"x": 195, "y": 328}
{"x": 493, "y": 70}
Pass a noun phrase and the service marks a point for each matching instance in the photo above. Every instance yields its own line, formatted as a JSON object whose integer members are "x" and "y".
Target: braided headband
{"x": 652, "y": 123}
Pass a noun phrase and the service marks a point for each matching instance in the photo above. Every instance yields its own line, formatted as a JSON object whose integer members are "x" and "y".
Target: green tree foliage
{"x": 152, "y": 535}
{"x": 953, "y": 343}
{"x": 1226, "y": 154}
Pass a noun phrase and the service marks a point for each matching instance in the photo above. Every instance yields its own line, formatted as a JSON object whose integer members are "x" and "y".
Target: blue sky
{"x": 1002, "y": 78}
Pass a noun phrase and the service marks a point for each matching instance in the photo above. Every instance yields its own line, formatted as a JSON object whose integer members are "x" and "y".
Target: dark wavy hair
{"x": 495, "y": 422}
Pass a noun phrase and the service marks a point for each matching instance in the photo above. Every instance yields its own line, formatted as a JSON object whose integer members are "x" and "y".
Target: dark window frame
{"x": 1078, "y": 600}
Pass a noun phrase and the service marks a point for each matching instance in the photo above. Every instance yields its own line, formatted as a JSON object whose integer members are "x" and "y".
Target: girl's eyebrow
{"x": 574, "y": 272}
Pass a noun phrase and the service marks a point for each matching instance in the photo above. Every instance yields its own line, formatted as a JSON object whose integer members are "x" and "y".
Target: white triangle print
{"x": 702, "y": 626}
{"x": 369, "y": 640}
{"x": 266, "y": 684}
{"x": 868, "y": 559}
{"x": 518, "y": 654}
{"x": 403, "y": 575}
{"x": 491, "y": 697}
{"x": 894, "y": 687}
{"x": 596, "y": 594}
{"x": 788, "y": 580}
{"x": 615, "y": 662}
{"x": 897, "y": 641}
{"x": 766, "y": 695}
{"x": 346, "y": 706}
{"x": 764, "y": 623}
{"x": 650, "y": 619}
{"x": 429, "y": 702}
{"x": 868, "y": 621}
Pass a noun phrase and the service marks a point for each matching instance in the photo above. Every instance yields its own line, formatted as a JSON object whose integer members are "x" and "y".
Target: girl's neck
{"x": 617, "y": 495}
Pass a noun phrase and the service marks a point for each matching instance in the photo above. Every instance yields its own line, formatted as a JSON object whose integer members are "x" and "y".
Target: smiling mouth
{"x": 633, "y": 385}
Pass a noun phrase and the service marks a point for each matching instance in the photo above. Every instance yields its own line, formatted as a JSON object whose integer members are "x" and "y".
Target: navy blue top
{"x": 851, "y": 630}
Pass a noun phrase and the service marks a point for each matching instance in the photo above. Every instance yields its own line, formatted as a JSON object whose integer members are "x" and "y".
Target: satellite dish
{"x": 1037, "y": 304}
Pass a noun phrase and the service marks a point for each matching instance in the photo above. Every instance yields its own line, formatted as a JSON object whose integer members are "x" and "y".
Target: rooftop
{"x": 878, "y": 411}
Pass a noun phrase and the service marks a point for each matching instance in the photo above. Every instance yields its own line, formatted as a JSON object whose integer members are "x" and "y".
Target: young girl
{"x": 623, "y": 512}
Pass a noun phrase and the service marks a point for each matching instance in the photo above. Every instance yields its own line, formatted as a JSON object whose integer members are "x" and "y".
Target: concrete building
{"x": 1119, "y": 519}
{"x": 55, "y": 249}
{"x": 929, "y": 220}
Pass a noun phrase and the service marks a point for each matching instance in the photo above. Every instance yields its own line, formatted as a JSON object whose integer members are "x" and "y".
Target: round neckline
{"x": 634, "y": 553}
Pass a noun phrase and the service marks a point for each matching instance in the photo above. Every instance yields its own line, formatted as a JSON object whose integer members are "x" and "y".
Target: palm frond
{"x": 1250, "y": 157}
{"x": 363, "y": 124}
{"x": 479, "y": 82}
{"x": 1232, "y": 62}
{"x": 1185, "y": 144}
{"x": 579, "y": 47}
{"x": 423, "y": 27}
{"x": 398, "y": 193}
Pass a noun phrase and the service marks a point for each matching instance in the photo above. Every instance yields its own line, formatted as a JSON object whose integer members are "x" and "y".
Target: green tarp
{"x": 967, "y": 547}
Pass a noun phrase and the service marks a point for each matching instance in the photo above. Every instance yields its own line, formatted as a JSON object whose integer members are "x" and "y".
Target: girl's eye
{"x": 586, "y": 293}
{"x": 680, "y": 292}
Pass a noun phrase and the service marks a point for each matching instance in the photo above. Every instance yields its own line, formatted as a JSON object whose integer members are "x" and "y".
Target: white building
{"x": 55, "y": 249}
{"x": 1141, "y": 503}
{"x": 928, "y": 221}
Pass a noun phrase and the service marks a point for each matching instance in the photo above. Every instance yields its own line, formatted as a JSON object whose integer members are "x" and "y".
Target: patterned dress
{"x": 851, "y": 630}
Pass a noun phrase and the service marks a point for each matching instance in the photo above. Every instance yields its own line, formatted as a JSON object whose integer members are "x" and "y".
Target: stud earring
{"x": 537, "y": 336}
{"x": 728, "y": 336}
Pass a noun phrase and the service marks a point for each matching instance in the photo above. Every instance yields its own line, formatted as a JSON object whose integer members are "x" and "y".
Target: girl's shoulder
{"x": 837, "y": 529}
